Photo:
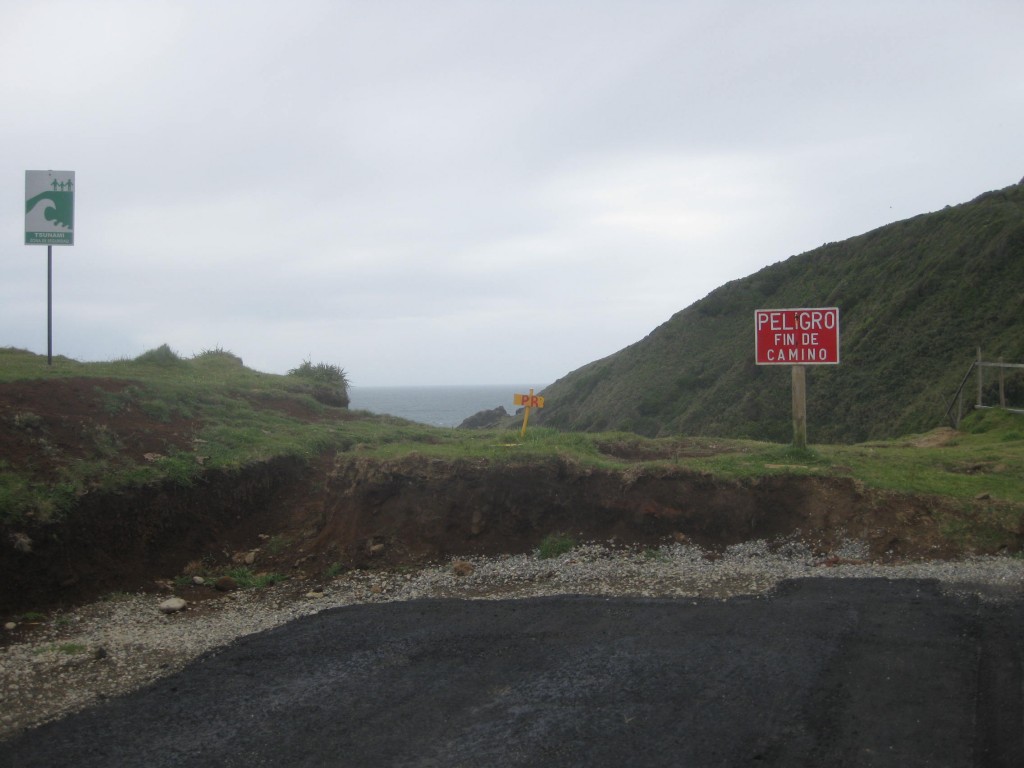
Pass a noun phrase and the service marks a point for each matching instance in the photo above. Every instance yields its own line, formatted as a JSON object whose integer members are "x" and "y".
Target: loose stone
{"x": 173, "y": 605}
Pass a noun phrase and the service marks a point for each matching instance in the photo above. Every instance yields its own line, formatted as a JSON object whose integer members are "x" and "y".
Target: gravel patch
{"x": 69, "y": 660}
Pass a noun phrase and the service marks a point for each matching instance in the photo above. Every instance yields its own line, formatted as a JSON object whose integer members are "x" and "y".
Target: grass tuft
{"x": 555, "y": 545}
{"x": 321, "y": 373}
{"x": 245, "y": 578}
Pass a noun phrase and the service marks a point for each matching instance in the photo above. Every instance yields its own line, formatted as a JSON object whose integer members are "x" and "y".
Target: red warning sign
{"x": 796, "y": 336}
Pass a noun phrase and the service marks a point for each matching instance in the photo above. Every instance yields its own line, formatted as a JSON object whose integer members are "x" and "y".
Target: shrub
{"x": 321, "y": 373}
{"x": 329, "y": 382}
{"x": 555, "y": 544}
{"x": 276, "y": 545}
{"x": 162, "y": 355}
{"x": 334, "y": 570}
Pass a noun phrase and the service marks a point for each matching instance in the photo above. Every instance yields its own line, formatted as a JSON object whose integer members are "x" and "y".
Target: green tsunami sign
{"x": 49, "y": 207}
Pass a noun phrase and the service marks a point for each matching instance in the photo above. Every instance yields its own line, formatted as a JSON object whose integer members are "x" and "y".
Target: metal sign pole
{"x": 49, "y": 220}
{"x": 49, "y": 305}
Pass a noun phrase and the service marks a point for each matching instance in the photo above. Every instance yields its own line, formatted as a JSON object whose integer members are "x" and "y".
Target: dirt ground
{"x": 345, "y": 511}
{"x": 859, "y": 672}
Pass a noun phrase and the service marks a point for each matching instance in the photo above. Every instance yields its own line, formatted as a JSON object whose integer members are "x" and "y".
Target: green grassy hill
{"x": 916, "y": 299}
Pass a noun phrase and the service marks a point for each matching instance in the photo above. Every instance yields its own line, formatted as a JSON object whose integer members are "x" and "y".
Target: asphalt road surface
{"x": 823, "y": 672}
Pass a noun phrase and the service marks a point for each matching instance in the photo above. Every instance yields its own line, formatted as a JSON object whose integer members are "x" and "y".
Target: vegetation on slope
{"x": 153, "y": 418}
{"x": 114, "y": 474}
{"x": 916, "y": 299}
{"x": 211, "y": 413}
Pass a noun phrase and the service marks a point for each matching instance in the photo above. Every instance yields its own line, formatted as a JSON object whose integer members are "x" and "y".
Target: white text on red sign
{"x": 796, "y": 336}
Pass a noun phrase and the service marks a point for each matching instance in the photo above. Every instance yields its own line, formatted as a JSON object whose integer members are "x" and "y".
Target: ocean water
{"x": 439, "y": 406}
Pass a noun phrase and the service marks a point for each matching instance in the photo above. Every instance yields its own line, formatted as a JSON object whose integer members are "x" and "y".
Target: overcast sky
{"x": 470, "y": 192}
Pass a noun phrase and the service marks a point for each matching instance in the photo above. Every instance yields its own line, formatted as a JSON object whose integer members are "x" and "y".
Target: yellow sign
{"x": 529, "y": 401}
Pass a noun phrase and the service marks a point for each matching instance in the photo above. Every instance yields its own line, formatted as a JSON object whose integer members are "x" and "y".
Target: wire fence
{"x": 1005, "y": 390}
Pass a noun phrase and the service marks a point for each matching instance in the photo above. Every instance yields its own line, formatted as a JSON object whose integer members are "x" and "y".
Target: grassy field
{"x": 239, "y": 416}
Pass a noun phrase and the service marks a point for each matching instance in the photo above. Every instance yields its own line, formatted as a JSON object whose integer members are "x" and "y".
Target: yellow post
{"x": 526, "y": 416}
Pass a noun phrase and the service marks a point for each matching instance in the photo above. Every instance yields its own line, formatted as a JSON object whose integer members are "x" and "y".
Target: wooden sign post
{"x": 799, "y": 407}
{"x": 527, "y": 401}
{"x": 797, "y": 337}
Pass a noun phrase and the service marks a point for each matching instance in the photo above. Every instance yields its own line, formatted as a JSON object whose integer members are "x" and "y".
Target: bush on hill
{"x": 329, "y": 383}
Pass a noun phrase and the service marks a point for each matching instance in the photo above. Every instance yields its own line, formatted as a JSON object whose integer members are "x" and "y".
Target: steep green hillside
{"x": 916, "y": 299}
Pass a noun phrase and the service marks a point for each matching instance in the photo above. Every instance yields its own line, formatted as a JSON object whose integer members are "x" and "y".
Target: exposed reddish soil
{"x": 350, "y": 511}
{"x": 46, "y": 425}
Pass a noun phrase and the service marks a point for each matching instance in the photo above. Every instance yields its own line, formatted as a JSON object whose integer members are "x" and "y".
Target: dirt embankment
{"x": 357, "y": 512}
{"x": 353, "y": 511}
{"x": 114, "y": 542}
{"x": 418, "y": 507}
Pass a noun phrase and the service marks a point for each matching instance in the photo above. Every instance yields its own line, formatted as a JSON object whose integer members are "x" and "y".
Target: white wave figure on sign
{"x": 48, "y": 211}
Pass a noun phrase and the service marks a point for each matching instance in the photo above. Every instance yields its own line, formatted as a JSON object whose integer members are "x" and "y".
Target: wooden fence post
{"x": 979, "y": 377}
{"x": 1002, "y": 390}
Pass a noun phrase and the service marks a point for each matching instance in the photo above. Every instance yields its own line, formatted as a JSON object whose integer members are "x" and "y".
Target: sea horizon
{"x": 439, "y": 405}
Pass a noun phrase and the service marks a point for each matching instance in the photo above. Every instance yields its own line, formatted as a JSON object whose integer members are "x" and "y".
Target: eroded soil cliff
{"x": 347, "y": 510}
